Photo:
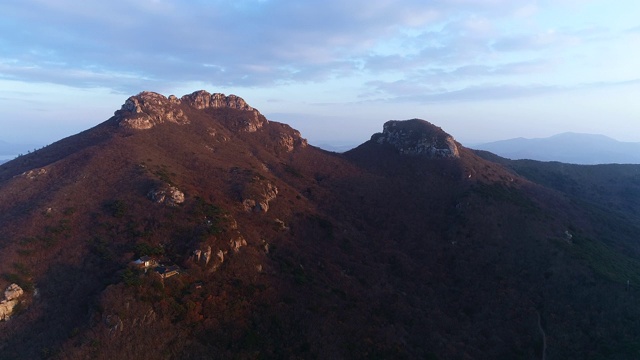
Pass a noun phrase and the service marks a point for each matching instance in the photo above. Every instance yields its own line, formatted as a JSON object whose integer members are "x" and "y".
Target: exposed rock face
{"x": 259, "y": 202}
{"x": 13, "y": 292}
{"x": 11, "y": 298}
{"x": 114, "y": 323}
{"x": 287, "y": 137}
{"x": 417, "y": 137}
{"x": 220, "y": 257}
{"x": 248, "y": 204}
{"x": 281, "y": 224}
{"x": 127, "y": 318}
{"x": 203, "y": 100}
{"x": 206, "y": 256}
{"x": 209, "y": 259}
{"x": 35, "y": 173}
{"x": 149, "y": 109}
{"x": 288, "y": 142}
{"x": 169, "y": 195}
{"x": 237, "y": 243}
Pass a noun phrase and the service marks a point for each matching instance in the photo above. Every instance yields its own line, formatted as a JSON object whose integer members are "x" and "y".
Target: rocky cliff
{"x": 417, "y": 137}
{"x": 147, "y": 109}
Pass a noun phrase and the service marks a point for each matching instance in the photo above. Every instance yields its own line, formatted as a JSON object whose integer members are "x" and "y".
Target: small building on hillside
{"x": 167, "y": 271}
{"x": 145, "y": 262}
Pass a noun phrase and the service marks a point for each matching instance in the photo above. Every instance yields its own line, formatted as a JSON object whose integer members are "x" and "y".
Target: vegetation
{"x": 607, "y": 261}
{"x": 367, "y": 254}
{"x": 117, "y": 208}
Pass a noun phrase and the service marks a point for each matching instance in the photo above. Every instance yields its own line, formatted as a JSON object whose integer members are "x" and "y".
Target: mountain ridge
{"x": 407, "y": 246}
{"x": 568, "y": 147}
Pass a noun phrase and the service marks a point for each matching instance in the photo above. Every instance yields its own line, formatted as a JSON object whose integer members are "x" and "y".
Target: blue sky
{"x": 482, "y": 70}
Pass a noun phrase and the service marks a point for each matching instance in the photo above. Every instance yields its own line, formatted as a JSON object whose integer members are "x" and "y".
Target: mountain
{"x": 195, "y": 228}
{"x": 340, "y": 148}
{"x": 568, "y": 148}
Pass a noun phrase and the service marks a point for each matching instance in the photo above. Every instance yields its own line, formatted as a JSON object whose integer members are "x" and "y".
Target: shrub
{"x": 131, "y": 277}
{"x": 117, "y": 208}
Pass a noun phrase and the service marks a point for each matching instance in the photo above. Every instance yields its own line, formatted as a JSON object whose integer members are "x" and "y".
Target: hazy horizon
{"x": 327, "y": 144}
{"x": 483, "y": 70}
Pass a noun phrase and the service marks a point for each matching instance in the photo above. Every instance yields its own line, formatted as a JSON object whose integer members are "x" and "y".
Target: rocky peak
{"x": 203, "y": 100}
{"x": 147, "y": 109}
{"x": 417, "y": 137}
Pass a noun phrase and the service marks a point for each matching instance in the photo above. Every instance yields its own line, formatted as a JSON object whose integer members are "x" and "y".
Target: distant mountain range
{"x": 339, "y": 148}
{"x": 574, "y": 148}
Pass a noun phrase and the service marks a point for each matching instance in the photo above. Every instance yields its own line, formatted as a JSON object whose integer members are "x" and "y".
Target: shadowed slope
{"x": 409, "y": 246}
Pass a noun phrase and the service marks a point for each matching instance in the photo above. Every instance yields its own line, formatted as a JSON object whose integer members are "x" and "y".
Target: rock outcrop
{"x": 169, "y": 195}
{"x": 124, "y": 318}
{"x": 149, "y": 109}
{"x": 289, "y": 141}
{"x": 257, "y": 198}
{"x": 237, "y": 243}
{"x": 203, "y": 100}
{"x": 11, "y": 298}
{"x": 35, "y": 173}
{"x": 206, "y": 256}
{"x": 13, "y": 292}
{"x": 417, "y": 137}
{"x": 287, "y": 138}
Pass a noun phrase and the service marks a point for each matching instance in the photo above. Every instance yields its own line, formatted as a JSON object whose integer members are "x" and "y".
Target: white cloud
{"x": 167, "y": 40}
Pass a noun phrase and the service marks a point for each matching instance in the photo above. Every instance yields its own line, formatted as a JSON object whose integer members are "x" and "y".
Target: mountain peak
{"x": 202, "y": 100}
{"x": 568, "y": 147}
{"x": 148, "y": 109}
{"x": 417, "y": 137}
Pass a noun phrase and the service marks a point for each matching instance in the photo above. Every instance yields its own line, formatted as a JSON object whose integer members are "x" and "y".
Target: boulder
{"x": 11, "y": 299}
{"x": 6, "y": 309}
{"x": 13, "y": 292}
{"x": 237, "y": 243}
{"x": 206, "y": 256}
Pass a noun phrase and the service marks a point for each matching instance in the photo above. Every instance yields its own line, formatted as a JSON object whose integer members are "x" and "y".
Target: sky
{"x": 336, "y": 70}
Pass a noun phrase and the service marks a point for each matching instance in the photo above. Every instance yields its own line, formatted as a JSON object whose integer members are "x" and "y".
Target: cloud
{"x": 531, "y": 42}
{"x": 488, "y": 92}
{"x": 164, "y": 39}
{"x": 130, "y": 45}
{"x": 403, "y": 91}
{"x": 249, "y": 43}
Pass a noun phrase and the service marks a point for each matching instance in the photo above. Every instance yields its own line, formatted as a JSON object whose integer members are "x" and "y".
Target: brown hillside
{"x": 409, "y": 246}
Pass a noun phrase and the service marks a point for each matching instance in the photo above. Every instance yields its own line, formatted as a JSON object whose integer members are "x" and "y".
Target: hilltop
{"x": 571, "y": 148}
{"x": 407, "y": 246}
